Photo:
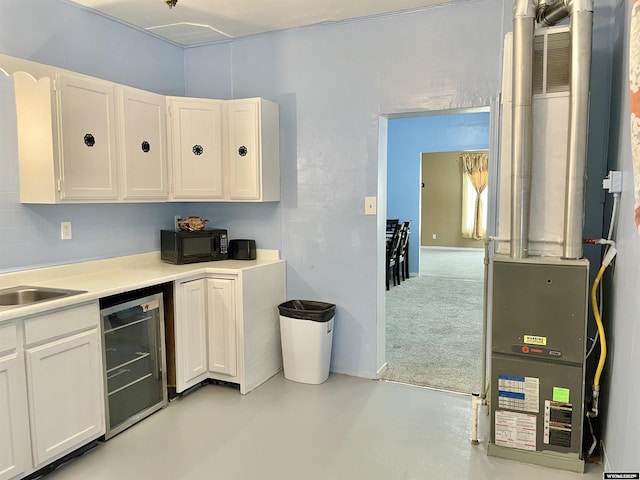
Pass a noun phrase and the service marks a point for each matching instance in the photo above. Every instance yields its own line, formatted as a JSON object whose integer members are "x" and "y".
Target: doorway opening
{"x": 433, "y": 320}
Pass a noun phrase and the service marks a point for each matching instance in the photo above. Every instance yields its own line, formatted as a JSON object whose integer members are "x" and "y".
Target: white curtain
{"x": 475, "y": 167}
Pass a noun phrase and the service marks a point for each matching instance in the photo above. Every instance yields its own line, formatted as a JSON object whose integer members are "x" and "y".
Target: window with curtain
{"x": 475, "y": 176}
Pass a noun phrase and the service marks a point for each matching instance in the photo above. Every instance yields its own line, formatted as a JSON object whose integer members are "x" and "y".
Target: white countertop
{"x": 102, "y": 278}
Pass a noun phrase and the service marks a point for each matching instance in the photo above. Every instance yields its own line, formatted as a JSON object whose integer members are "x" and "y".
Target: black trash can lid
{"x": 308, "y": 310}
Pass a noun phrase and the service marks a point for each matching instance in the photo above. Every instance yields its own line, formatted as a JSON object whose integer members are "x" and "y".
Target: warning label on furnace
{"x": 515, "y": 430}
{"x": 557, "y": 423}
{"x": 519, "y": 393}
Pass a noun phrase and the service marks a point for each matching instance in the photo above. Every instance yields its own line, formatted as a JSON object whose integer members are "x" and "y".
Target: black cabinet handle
{"x": 145, "y": 146}
{"x": 242, "y": 151}
{"x": 89, "y": 140}
{"x": 197, "y": 150}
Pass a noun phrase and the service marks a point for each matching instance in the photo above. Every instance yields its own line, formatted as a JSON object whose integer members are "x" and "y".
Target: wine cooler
{"x": 133, "y": 345}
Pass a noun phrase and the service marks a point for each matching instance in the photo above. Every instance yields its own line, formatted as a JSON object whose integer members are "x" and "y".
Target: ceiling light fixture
{"x": 171, "y": 3}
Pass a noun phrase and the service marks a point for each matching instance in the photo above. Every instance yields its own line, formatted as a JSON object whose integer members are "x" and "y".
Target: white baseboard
{"x": 605, "y": 458}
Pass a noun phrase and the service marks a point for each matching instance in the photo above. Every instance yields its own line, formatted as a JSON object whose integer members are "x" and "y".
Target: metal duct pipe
{"x": 551, "y": 14}
{"x": 581, "y": 13}
{"x": 524, "y": 12}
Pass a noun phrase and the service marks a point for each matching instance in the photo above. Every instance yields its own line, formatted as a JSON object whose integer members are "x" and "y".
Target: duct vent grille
{"x": 551, "y": 62}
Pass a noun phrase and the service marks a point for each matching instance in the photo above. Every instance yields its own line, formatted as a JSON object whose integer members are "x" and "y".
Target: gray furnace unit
{"x": 539, "y": 313}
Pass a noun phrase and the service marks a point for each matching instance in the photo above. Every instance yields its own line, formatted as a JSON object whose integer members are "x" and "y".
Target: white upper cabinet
{"x": 225, "y": 150}
{"x": 66, "y": 139}
{"x": 85, "y": 140}
{"x": 86, "y": 109}
{"x": 197, "y": 148}
{"x": 253, "y": 146}
{"x": 143, "y": 145}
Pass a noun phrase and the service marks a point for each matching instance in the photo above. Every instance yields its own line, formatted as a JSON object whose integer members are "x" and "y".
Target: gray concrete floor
{"x": 346, "y": 428}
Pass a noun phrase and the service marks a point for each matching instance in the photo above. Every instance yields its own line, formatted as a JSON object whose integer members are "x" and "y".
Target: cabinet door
{"x": 244, "y": 150}
{"x": 191, "y": 335}
{"x": 66, "y": 402}
{"x": 221, "y": 309}
{"x": 14, "y": 434}
{"x": 86, "y": 125}
{"x": 197, "y": 142}
{"x": 143, "y": 145}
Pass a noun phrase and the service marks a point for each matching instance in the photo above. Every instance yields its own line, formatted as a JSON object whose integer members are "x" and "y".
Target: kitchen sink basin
{"x": 27, "y": 295}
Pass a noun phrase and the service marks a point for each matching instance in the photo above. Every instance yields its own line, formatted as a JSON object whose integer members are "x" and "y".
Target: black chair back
{"x": 393, "y": 247}
{"x": 403, "y": 250}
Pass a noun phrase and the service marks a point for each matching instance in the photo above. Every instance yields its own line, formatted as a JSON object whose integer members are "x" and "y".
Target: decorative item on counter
{"x": 191, "y": 224}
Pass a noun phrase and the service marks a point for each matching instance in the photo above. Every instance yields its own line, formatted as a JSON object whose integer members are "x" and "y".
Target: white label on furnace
{"x": 515, "y": 430}
{"x": 519, "y": 393}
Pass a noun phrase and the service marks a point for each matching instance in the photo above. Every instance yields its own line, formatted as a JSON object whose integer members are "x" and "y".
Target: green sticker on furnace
{"x": 561, "y": 394}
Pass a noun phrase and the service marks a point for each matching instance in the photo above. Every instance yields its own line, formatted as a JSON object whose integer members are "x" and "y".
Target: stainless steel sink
{"x": 27, "y": 295}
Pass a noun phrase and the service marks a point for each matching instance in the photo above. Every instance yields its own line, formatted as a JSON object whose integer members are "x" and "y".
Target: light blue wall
{"x": 55, "y": 33}
{"x": 408, "y": 139}
{"x": 207, "y": 71}
{"x": 621, "y": 381}
{"x": 333, "y": 82}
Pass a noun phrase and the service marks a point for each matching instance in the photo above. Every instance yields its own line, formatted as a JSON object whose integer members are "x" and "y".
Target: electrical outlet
{"x": 65, "y": 230}
{"x": 433, "y": 236}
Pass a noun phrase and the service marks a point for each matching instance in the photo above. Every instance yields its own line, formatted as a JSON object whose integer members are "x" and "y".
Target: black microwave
{"x": 178, "y": 246}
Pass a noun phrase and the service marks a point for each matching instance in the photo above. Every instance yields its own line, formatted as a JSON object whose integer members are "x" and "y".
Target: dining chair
{"x": 402, "y": 265}
{"x": 391, "y": 226}
{"x": 393, "y": 246}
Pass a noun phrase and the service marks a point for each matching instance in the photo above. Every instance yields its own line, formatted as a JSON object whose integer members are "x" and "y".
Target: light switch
{"x": 370, "y": 205}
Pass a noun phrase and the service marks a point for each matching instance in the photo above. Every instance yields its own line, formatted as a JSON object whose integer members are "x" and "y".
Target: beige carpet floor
{"x": 434, "y": 322}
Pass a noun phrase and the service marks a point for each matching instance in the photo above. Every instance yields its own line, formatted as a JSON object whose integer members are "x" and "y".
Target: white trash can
{"x": 306, "y": 332}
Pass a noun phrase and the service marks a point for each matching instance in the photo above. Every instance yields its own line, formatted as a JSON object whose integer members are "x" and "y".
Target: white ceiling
{"x": 196, "y": 22}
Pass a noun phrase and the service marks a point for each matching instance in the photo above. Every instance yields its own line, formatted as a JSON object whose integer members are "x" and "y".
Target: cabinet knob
{"x": 89, "y": 140}
{"x": 145, "y": 146}
{"x": 242, "y": 151}
{"x": 197, "y": 150}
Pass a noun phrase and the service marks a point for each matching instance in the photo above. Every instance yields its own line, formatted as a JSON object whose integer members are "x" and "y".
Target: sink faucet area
{"x": 27, "y": 295}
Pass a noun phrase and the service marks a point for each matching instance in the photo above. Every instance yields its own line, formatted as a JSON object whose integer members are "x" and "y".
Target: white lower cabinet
{"x": 51, "y": 387}
{"x": 205, "y": 331}
{"x": 191, "y": 334}
{"x": 221, "y": 323}
{"x": 237, "y": 315}
{"x": 14, "y": 433}
{"x": 65, "y": 394}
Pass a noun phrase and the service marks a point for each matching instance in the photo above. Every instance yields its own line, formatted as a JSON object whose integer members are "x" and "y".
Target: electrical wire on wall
{"x": 597, "y": 306}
